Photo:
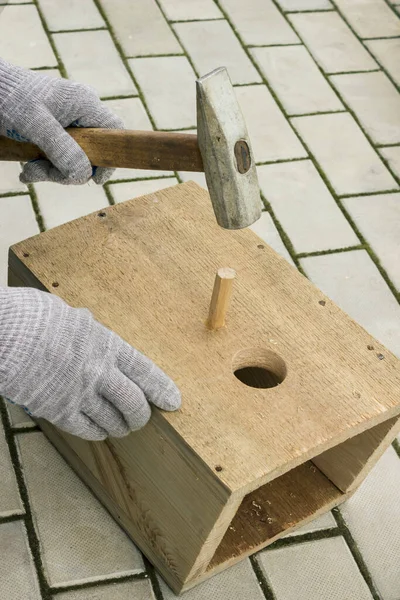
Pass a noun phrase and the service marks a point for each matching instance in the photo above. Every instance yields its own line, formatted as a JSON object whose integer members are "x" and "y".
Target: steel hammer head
{"x": 226, "y": 152}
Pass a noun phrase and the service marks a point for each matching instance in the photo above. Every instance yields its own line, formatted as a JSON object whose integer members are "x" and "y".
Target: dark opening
{"x": 258, "y": 377}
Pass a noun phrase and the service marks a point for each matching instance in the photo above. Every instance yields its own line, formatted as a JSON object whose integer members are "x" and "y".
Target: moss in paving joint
{"x": 121, "y": 97}
{"x": 274, "y": 45}
{"x": 303, "y": 538}
{"x": 12, "y": 518}
{"x": 262, "y": 581}
{"x": 151, "y": 573}
{"x": 377, "y": 70}
{"x": 171, "y": 55}
{"x": 331, "y": 251}
{"x": 12, "y": 194}
{"x": 109, "y": 195}
{"x": 362, "y": 194}
{"x": 82, "y": 30}
{"x": 33, "y": 540}
{"x": 61, "y": 66}
{"x": 36, "y": 209}
{"x": 393, "y": 145}
{"x": 102, "y": 583}
{"x": 309, "y": 10}
{"x": 134, "y": 179}
{"x": 318, "y": 113}
{"x": 278, "y": 161}
{"x": 43, "y": 68}
{"x": 396, "y": 446}
{"x": 173, "y": 21}
{"x": 344, "y": 530}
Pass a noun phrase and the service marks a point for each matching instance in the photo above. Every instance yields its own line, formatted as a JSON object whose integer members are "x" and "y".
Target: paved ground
{"x": 317, "y": 80}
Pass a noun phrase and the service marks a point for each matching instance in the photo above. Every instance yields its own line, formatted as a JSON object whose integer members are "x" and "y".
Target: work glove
{"x": 62, "y": 365}
{"x": 36, "y": 108}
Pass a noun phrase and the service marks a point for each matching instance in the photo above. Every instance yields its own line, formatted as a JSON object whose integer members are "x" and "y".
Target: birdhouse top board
{"x": 290, "y": 375}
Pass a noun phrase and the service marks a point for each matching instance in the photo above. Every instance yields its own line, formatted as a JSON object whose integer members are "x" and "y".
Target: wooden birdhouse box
{"x": 284, "y": 410}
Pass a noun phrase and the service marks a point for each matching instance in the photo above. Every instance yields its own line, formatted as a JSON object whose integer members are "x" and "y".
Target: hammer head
{"x": 226, "y": 151}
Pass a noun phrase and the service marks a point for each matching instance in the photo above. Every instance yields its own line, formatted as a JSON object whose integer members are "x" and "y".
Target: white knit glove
{"x": 36, "y": 108}
{"x": 62, "y": 365}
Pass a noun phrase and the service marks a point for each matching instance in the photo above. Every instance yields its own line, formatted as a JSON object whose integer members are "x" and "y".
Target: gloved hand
{"x": 64, "y": 366}
{"x": 36, "y": 108}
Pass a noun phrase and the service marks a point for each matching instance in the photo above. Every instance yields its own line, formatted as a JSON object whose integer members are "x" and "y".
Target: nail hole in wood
{"x": 259, "y": 368}
{"x": 370, "y": 347}
{"x": 380, "y": 356}
{"x": 218, "y": 468}
{"x": 322, "y": 302}
{"x": 260, "y": 246}
{"x": 102, "y": 214}
{"x": 55, "y": 284}
{"x": 25, "y": 254}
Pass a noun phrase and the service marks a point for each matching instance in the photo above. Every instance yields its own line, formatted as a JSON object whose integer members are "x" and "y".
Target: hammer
{"x": 221, "y": 149}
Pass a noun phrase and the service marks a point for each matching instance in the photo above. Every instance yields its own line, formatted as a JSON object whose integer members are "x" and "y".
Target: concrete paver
{"x": 266, "y": 230}
{"x": 375, "y": 101}
{"x": 344, "y": 154}
{"x": 305, "y": 207}
{"x": 71, "y": 14}
{"x": 296, "y": 80}
{"x": 129, "y": 590}
{"x": 140, "y": 27}
{"x": 307, "y": 572}
{"x": 10, "y": 501}
{"x": 352, "y": 281}
{"x": 259, "y": 22}
{"x": 370, "y": 18}
{"x": 132, "y": 189}
{"x": 392, "y": 155}
{"x": 222, "y": 49}
{"x": 326, "y": 521}
{"x": 387, "y": 53}
{"x": 331, "y": 42}
{"x": 298, "y": 5}
{"x": 168, "y": 85}
{"x": 195, "y": 10}
{"x": 80, "y": 542}
{"x": 9, "y": 178}
{"x": 90, "y": 57}
{"x": 378, "y": 219}
{"x": 18, "y": 580}
{"x": 36, "y": 50}
{"x": 373, "y": 517}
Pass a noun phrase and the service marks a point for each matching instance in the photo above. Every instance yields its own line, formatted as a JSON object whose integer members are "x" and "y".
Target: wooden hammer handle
{"x": 122, "y": 148}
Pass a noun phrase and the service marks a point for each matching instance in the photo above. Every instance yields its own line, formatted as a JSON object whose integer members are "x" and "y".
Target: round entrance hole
{"x": 259, "y": 368}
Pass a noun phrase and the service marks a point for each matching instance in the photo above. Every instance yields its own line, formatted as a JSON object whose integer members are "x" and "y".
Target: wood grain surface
{"x": 146, "y": 269}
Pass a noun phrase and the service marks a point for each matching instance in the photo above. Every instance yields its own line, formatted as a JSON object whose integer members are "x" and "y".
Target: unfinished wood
{"x": 349, "y": 463}
{"x": 221, "y": 297}
{"x": 156, "y": 150}
{"x": 145, "y": 270}
{"x": 275, "y": 508}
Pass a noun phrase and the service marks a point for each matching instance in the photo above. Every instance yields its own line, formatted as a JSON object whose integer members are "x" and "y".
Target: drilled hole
{"x": 259, "y": 368}
{"x": 102, "y": 214}
{"x": 55, "y": 284}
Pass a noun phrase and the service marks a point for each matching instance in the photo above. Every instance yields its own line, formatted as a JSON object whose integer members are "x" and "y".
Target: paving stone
{"x": 271, "y": 136}
{"x": 18, "y": 417}
{"x": 10, "y": 501}
{"x": 197, "y": 10}
{"x": 18, "y": 580}
{"x": 296, "y": 80}
{"x": 314, "y": 570}
{"x": 62, "y": 203}
{"x": 294, "y": 5}
{"x": 392, "y": 155}
{"x": 387, "y": 53}
{"x": 373, "y": 517}
{"x": 35, "y": 51}
{"x": 133, "y": 189}
{"x": 132, "y": 112}
{"x": 71, "y": 14}
{"x": 266, "y": 230}
{"x": 140, "y": 27}
{"x": 168, "y": 84}
{"x": 370, "y": 18}
{"x": 326, "y": 521}
{"x": 194, "y": 176}
{"x": 129, "y": 590}
{"x": 238, "y": 582}
{"x": 259, "y": 22}
{"x": 9, "y": 178}
{"x": 344, "y": 153}
{"x": 332, "y": 43}
{"x": 79, "y": 540}
{"x": 378, "y": 219}
{"x": 17, "y": 223}
{"x": 304, "y": 206}
{"x": 91, "y": 57}
{"x": 354, "y": 283}
{"x": 375, "y": 101}
{"x": 211, "y": 44}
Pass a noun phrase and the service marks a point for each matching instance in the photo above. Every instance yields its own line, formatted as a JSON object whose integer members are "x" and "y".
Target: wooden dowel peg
{"x": 221, "y": 296}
